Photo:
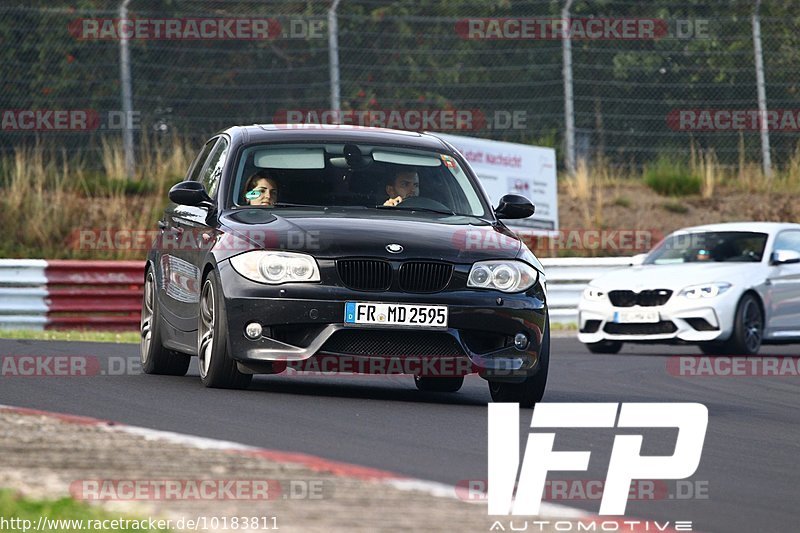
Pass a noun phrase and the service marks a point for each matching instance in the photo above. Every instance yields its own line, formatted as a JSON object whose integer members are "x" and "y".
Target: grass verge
{"x": 63, "y": 515}
{"x": 126, "y": 337}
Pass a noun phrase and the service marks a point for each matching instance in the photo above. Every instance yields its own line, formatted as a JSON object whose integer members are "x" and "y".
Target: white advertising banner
{"x": 511, "y": 168}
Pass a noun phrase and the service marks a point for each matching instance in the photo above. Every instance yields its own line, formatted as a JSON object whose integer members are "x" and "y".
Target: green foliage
{"x": 14, "y": 506}
{"x": 672, "y": 178}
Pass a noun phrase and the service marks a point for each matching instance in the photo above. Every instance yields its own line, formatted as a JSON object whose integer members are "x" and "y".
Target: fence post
{"x": 766, "y": 157}
{"x": 569, "y": 105}
{"x": 333, "y": 54}
{"x": 127, "y": 94}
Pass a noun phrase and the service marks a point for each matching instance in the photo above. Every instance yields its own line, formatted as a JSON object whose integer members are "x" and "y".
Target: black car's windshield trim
{"x": 431, "y": 210}
{"x": 446, "y": 149}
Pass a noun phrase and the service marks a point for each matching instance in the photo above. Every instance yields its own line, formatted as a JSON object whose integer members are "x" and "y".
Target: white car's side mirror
{"x": 784, "y": 257}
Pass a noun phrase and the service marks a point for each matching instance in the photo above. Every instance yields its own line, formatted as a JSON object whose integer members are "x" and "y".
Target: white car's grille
{"x": 649, "y": 298}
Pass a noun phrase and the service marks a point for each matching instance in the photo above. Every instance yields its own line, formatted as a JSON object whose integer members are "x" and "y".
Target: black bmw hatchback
{"x": 343, "y": 249}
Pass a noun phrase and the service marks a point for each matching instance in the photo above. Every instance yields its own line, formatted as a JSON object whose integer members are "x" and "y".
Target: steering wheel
{"x": 424, "y": 203}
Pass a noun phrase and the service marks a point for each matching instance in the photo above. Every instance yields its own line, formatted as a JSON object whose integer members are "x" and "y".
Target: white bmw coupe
{"x": 725, "y": 287}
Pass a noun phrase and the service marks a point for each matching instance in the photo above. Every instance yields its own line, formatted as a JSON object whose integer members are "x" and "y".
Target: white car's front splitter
{"x": 680, "y": 318}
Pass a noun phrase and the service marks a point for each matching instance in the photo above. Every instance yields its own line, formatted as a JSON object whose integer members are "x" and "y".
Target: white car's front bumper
{"x": 678, "y": 319}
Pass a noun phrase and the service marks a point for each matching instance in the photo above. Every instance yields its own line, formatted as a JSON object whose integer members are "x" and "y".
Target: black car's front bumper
{"x": 305, "y": 320}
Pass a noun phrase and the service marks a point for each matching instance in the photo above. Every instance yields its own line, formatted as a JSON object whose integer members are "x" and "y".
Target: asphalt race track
{"x": 749, "y": 469}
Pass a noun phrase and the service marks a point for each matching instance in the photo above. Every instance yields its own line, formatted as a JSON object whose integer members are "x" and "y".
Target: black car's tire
{"x": 217, "y": 368}
{"x": 156, "y": 359}
{"x": 604, "y": 347}
{"x": 530, "y": 391}
{"x": 438, "y": 384}
{"x": 748, "y": 327}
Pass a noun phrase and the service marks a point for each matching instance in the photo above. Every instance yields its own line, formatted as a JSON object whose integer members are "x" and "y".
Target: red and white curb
{"x": 319, "y": 464}
{"x": 63, "y": 294}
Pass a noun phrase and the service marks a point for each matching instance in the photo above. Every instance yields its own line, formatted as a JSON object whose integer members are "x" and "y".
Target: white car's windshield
{"x": 709, "y": 246}
{"x": 354, "y": 176}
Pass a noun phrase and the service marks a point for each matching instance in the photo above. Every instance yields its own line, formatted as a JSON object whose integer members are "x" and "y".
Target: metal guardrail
{"x": 568, "y": 277}
{"x": 39, "y": 294}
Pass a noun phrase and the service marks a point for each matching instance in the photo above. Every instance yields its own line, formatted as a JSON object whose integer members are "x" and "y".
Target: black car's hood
{"x": 345, "y": 235}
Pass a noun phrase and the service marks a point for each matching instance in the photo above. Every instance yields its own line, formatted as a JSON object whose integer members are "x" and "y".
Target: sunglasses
{"x": 257, "y": 193}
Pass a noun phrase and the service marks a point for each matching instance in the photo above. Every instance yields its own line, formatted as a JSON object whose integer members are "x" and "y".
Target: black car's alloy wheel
{"x": 217, "y": 368}
{"x": 531, "y": 390}
{"x": 154, "y": 357}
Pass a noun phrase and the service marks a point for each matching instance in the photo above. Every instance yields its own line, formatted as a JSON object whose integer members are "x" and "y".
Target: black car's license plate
{"x": 388, "y": 314}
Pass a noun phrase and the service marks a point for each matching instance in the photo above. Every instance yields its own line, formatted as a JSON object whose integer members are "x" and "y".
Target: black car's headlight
{"x": 276, "y": 267}
{"x": 506, "y": 276}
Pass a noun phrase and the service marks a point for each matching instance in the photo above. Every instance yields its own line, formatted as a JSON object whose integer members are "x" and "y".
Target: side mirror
{"x": 784, "y": 257}
{"x": 638, "y": 259}
{"x": 190, "y": 193}
{"x": 514, "y": 206}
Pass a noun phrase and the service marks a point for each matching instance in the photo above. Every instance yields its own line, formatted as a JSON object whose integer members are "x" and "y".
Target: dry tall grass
{"x": 47, "y": 197}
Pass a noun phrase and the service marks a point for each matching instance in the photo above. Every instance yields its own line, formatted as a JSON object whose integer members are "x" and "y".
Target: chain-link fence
{"x": 648, "y": 79}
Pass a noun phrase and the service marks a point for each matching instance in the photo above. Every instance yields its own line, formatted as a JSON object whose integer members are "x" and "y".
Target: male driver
{"x": 405, "y": 185}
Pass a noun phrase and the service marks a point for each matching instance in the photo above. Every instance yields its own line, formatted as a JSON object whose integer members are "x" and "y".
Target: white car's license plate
{"x": 396, "y": 314}
{"x": 635, "y": 317}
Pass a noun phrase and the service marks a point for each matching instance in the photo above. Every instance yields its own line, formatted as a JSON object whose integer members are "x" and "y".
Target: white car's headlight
{"x": 706, "y": 290}
{"x": 276, "y": 267}
{"x": 594, "y": 294}
{"x": 506, "y": 276}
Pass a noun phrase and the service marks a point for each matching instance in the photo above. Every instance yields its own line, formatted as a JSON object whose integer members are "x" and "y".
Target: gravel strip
{"x": 44, "y": 457}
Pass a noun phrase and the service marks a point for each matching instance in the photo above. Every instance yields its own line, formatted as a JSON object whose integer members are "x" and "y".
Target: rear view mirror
{"x": 514, "y": 206}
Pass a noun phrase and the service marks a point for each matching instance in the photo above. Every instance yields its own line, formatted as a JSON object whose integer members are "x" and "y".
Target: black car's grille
{"x": 654, "y": 328}
{"x": 423, "y": 276}
{"x": 376, "y": 275}
{"x": 365, "y": 274}
{"x": 395, "y": 343}
{"x": 645, "y": 298}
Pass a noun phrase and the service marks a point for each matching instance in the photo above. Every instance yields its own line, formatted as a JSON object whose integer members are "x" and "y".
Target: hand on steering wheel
{"x": 393, "y": 201}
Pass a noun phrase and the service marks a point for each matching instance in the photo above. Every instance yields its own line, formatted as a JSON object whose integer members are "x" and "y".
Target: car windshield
{"x": 350, "y": 176}
{"x": 709, "y": 247}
